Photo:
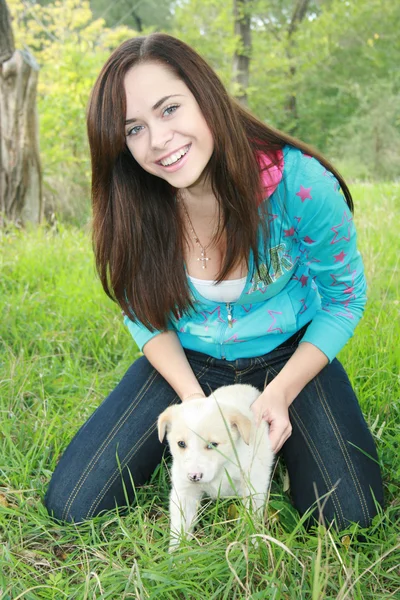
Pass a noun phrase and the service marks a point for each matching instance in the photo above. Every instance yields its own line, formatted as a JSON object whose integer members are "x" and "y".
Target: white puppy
{"x": 217, "y": 450}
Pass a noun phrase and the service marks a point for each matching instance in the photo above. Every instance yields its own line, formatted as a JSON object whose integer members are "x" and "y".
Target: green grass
{"x": 63, "y": 347}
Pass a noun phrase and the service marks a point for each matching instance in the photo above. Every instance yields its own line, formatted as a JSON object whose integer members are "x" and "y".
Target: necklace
{"x": 203, "y": 257}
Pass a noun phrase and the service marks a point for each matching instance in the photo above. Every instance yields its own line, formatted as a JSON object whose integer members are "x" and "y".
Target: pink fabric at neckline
{"x": 271, "y": 174}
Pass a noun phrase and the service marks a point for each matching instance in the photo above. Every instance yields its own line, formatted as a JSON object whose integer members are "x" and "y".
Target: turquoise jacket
{"x": 314, "y": 273}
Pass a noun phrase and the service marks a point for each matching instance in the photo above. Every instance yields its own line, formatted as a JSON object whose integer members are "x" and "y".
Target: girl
{"x": 231, "y": 249}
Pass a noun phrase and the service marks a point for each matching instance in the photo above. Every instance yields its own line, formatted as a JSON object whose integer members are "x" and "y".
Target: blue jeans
{"x": 330, "y": 450}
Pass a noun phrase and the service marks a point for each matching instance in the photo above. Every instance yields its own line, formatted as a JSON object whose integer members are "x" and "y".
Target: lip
{"x": 177, "y": 165}
{"x": 171, "y": 153}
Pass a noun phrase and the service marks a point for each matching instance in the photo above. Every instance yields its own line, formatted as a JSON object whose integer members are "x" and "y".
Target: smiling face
{"x": 165, "y": 130}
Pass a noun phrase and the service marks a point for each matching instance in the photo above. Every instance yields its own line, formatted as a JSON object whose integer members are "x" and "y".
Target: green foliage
{"x": 207, "y": 26}
{"x": 374, "y": 131}
{"x": 70, "y": 48}
{"x": 338, "y": 67}
{"x": 349, "y": 55}
{"x": 137, "y": 15}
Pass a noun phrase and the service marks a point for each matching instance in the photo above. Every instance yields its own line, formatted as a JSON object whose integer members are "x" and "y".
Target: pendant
{"x": 203, "y": 258}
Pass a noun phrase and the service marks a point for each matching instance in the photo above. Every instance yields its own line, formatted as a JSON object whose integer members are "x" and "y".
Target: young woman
{"x": 231, "y": 249}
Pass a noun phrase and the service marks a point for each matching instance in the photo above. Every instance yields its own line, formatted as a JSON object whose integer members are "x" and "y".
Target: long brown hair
{"x": 137, "y": 230}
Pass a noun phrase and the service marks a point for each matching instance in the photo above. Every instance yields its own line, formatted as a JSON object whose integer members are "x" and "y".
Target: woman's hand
{"x": 273, "y": 404}
{"x": 273, "y": 407}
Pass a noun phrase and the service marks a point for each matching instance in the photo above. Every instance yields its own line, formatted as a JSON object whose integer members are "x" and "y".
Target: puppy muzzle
{"x": 195, "y": 477}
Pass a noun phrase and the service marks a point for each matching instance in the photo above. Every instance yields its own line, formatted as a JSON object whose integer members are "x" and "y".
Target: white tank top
{"x": 226, "y": 291}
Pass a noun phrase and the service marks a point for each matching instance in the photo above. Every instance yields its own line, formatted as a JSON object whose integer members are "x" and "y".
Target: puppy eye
{"x": 181, "y": 444}
{"x": 212, "y": 445}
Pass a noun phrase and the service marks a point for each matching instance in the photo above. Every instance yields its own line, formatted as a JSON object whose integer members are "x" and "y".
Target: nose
{"x": 160, "y": 136}
{"x": 195, "y": 476}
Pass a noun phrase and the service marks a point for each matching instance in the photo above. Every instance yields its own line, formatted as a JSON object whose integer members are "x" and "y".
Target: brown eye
{"x": 181, "y": 444}
{"x": 212, "y": 445}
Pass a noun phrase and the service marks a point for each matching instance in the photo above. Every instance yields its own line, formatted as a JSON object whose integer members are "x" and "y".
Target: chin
{"x": 183, "y": 181}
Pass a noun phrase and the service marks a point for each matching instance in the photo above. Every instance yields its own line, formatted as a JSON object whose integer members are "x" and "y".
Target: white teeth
{"x": 174, "y": 157}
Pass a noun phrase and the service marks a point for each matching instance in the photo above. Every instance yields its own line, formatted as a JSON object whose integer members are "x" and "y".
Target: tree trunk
{"x": 241, "y": 59}
{"x": 20, "y": 172}
{"x": 6, "y": 35}
{"x": 138, "y": 21}
{"x": 299, "y": 13}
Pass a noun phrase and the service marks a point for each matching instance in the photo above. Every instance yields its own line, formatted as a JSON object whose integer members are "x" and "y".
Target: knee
{"x": 59, "y": 506}
{"x": 343, "y": 510}
{"x": 342, "y": 520}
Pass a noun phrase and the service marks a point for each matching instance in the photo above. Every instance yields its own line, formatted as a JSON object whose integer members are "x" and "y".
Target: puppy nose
{"x": 195, "y": 476}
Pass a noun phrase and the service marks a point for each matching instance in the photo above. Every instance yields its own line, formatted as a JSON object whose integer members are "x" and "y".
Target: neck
{"x": 204, "y": 203}
{"x": 199, "y": 192}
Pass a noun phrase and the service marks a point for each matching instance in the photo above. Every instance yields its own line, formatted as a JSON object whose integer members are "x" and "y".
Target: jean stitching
{"x": 261, "y": 362}
{"x": 104, "y": 444}
{"x": 239, "y": 373}
{"x": 204, "y": 370}
{"x": 344, "y": 450}
{"x": 334, "y": 494}
{"x": 139, "y": 443}
{"x": 319, "y": 461}
{"x": 133, "y": 450}
{"x": 342, "y": 446}
{"x": 242, "y": 372}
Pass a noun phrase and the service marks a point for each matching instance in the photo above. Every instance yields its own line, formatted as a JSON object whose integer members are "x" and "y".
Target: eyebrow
{"x": 157, "y": 105}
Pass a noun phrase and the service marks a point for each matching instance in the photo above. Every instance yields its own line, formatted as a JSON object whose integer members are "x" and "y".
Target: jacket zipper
{"x": 229, "y": 310}
{"x": 230, "y": 325}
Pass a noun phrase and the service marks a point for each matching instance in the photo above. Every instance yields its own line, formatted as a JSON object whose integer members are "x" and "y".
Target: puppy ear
{"x": 243, "y": 425}
{"x": 164, "y": 421}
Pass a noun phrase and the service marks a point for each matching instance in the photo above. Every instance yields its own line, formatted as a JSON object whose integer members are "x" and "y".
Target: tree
{"x": 241, "y": 58}
{"x": 6, "y": 35}
{"x": 298, "y": 14}
{"x": 348, "y": 85}
{"x": 207, "y": 26}
{"x": 138, "y": 15}
{"x": 276, "y": 25}
{"x": 20, "y": 171}
{"x": 71, "y": 48}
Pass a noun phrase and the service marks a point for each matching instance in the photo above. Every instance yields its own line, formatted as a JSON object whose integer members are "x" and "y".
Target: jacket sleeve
{"x": 139, "y": 332}
{"x": 328, "y": 246}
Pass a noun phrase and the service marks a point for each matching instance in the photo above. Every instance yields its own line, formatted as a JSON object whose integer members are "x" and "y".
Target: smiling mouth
{"x": 174, "y": 158}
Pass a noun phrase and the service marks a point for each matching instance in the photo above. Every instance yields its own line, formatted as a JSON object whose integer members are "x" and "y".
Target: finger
{"x": 278, "y": 445}
{"x": 259, "y": 419}
{"x": 286, "y": 435}
{"x": 275, "y": 437}
{"x": 278, "y": 436}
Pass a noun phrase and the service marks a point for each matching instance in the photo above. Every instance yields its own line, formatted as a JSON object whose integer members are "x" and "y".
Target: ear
{"x": 242, "y": 423}
{"x": 164, "y": 421}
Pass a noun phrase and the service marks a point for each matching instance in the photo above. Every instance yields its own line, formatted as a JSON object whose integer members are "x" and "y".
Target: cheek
{"x": 138, "y": 149}
{"x": 206, "y": 135}
{"x": 199, "y": 128}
